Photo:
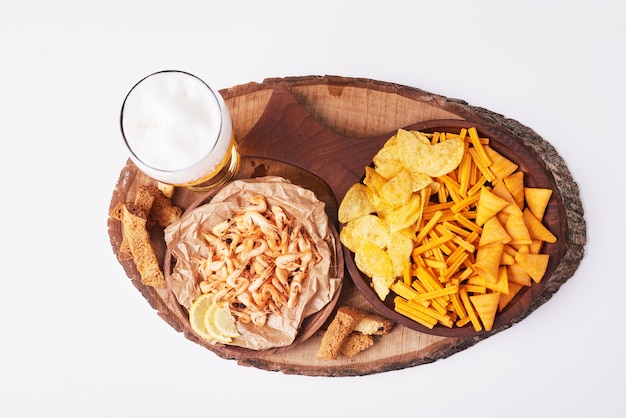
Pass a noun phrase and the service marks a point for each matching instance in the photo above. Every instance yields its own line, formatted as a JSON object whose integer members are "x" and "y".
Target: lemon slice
{"x": 209, "y": 323}
{"x": 224, "y": 322}
{"x": 197, "y": 314}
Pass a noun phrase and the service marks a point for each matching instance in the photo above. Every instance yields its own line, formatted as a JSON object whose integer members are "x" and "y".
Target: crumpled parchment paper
{"x": 185, "y": 242}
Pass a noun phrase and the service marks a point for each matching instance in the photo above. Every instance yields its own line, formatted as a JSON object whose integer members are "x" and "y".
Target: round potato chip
{"x": 390, "y": 168}
{"x": 373, "y": 179}
{"x": 355, "y": 204}
{"x": 400, "y": 248}
{"x": 420, "y": 181}
{"x": 381, "y": 206}
{"x": 365, "y": 228}
{"x": 397, "y": 191}
{"x": 373, "y": 260}
{"x": 382, "y": 286}
{"x": 404, "y": 216}
{"x": 387, "y": 153}
{"x": 434, "y": 160}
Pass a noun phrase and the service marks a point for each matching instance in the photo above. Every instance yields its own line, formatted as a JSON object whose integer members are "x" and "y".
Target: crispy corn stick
{"x": 436, "y": 293}
{"x": 401, "y": 306}
{"x": 470, "y": 309}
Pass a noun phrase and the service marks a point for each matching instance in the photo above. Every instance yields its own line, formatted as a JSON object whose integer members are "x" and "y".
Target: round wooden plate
{"x": 320, "y": 132}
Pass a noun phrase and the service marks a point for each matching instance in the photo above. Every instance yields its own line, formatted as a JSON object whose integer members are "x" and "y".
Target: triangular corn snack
{"x": 501, "y": 285}
{"x": 488, "y": 205}
{"x": 503, "y": 192}
{"x": 501, "y": 167}
{"x": 507, "y": 259}
{"x": 488, "y": 261}
{"x": 537, "y": 200}
{"x": 536, "y": 229}
{"x": 514, "y": 289}
{"x": 515, "y": 184}
{"x": 517, "y": 229}
{"x": 486, "y": 306}
{"x": 536, "y": 246}
{"x": 516, "y": 274}
{"x": 493, "y": 231}
{"x": 534, "y": 264}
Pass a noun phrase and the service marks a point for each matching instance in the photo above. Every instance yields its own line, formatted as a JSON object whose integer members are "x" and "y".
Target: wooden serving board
{"x": 320, "y": 133}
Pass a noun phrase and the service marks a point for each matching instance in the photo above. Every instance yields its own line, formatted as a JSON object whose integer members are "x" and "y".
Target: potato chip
{"x": 399, "y": 250}
{"x": 387, "y": 153}
{"x": 373, "y": 180}
{"x": 381, "y": 285}
{"x": 434, "y": 187}
{"x": 379, "y": 204}
{"x": 355, "y": 204}
{"x": 390, "y": 168}
{"x": 404, "y": 216}
{"x": 374, "y": 262}
{"x": 420, "y": 181}
{"x": 369, "y": 228}
{"x": 422, "y": 138}
{"x": 406, "y": 144}
{"x": 397, "y": 190}
{"x": 434, "y": 160}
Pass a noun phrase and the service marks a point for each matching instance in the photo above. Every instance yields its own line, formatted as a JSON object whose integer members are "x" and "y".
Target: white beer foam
{"x": 171, "y": 122}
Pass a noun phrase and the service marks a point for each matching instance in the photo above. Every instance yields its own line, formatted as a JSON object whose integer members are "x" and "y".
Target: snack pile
{"x": 351, "y": 331}
{"x": 446, "y": 223}
{"x": 257, "y": 261}
{"x": 152, "y": 205}
{"x": 253, "y": 262}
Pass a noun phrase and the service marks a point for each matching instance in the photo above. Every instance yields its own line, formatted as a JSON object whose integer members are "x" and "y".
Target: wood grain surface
{"x": 320, "y": 132}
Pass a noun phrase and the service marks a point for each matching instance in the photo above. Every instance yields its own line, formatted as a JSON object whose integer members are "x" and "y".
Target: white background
{"x": 78, "y": 340}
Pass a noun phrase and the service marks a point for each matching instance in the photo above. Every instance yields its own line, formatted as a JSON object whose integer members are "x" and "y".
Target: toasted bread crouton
{"x": 339, "y": 329}
{"x": 118, "y": 211}
{"x": 355, "y": 343}
{"x": 352, "y": 331}
{"x": 162, "y": 210}
{"x": 144, "y": 199}
{"x": 373, "y": 324}
{"x": 123, "y": 252}
{"x": 135, "y": 232}
{"x": 166, "y": 189}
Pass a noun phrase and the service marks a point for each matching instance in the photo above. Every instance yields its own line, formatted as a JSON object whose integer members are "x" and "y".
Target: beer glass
{"x": 179, "y": 131}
